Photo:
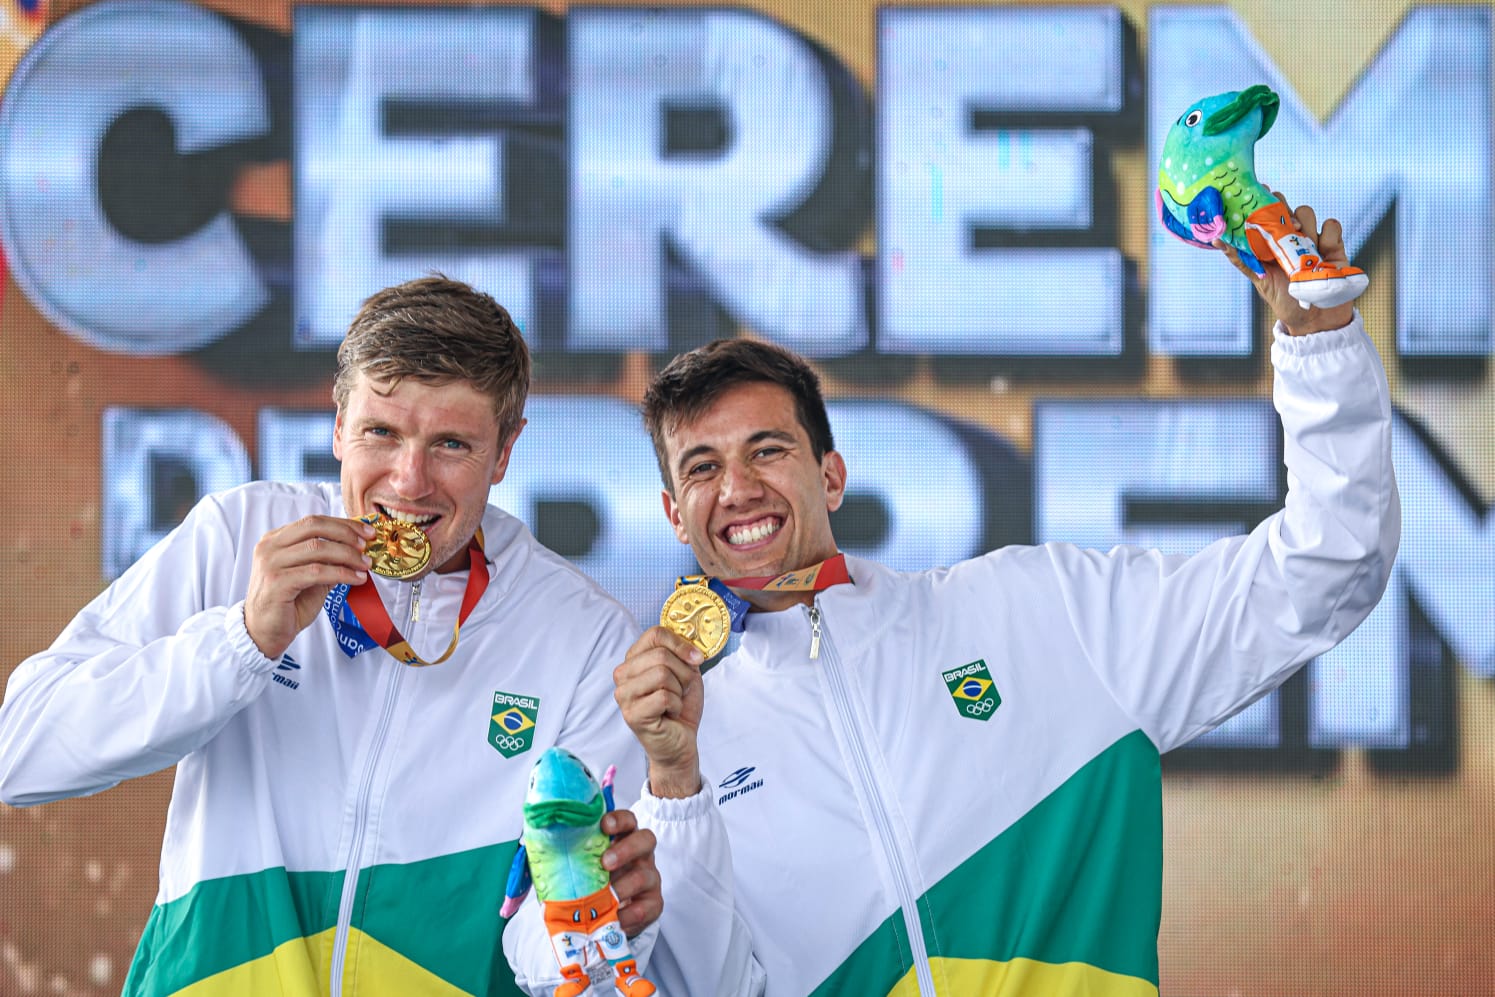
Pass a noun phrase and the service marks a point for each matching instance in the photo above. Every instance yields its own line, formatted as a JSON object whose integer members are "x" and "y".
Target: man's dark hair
{"x": 438, "y": 330}
{"x": 692, "y": 382}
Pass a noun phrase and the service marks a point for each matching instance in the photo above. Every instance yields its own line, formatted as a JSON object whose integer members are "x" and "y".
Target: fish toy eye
{"x": 1193, "y": 118}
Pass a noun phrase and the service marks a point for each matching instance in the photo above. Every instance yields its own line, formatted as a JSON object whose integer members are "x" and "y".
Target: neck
{"x": 774, "y": 602}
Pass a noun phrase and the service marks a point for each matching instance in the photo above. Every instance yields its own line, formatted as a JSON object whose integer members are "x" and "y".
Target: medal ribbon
{"x": 831, "y": 571}
{"x": 360, "y": 620}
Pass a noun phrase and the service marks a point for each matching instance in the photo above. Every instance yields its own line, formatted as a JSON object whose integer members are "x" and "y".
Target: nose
{"x": 410, "y": 475}
{"x": 739, "y": 484}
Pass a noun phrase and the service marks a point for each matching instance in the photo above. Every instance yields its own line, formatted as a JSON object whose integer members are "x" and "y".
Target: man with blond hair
{"x": 351, "y": 750}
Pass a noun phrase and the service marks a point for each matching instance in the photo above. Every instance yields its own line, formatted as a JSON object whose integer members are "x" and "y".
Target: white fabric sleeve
{"x": 1183, "y": 643}
{"x": 147, "y": 672}
{"x": 705, "y": 948}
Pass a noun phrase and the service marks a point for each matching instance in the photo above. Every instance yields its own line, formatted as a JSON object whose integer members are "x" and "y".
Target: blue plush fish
{"x": 561, "y": 853}
{"x": 1208, "y": 190}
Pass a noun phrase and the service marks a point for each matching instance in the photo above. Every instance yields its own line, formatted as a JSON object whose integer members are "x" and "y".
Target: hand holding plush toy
{"x": 1207, "y": 190}
{"x": 561, "y": 849}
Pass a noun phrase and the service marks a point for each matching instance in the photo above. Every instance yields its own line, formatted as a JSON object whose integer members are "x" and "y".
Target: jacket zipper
{"x": 821, "y": 646}
{"x": 360, "y": 825}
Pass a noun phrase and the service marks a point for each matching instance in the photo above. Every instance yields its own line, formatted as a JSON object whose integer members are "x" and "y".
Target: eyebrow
{"x": 685, "y": 458}
{"x": 376, "y": 422}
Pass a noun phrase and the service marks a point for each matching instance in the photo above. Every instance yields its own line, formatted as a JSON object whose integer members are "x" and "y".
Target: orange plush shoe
{"x": 1273, "y": 234}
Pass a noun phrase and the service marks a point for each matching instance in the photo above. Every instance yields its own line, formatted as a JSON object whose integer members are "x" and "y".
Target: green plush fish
{"x": 561, "y": 852}
{"x": 1208, "y": 190}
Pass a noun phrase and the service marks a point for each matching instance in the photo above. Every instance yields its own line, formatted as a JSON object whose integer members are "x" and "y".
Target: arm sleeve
{"x": 1183, "y": 643}
{"x": 149, "y": 671}
{"x": 705, "y": 946}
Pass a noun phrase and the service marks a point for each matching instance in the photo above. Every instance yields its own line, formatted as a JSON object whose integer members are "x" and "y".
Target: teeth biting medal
{"x": 398, "y": 549}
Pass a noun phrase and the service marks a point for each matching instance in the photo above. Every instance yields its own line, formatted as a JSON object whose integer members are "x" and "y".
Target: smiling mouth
{"x": 422, "y": 520}
{"x": 742, "y": 536}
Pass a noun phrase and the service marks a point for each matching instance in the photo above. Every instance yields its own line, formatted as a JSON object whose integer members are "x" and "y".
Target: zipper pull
{"x": 415, "y": 602}
{"x": 814, "y": 632}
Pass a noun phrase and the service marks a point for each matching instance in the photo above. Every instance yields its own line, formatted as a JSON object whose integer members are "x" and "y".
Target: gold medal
{"x": 398, "y": 549}
{"x": 699, "y": 615}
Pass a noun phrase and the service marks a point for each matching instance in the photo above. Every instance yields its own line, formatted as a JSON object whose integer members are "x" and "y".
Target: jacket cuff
{"x": 677, "y": 809}
{"x": 1329, "y": 340}
{"x": 244, "y": 649}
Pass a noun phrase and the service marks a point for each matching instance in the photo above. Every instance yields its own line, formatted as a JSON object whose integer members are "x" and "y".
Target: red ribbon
{"x": 831, "y": 571}
{"x": 374, "y": 618}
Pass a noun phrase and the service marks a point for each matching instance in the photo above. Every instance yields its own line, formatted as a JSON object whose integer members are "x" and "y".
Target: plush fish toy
{"x": 561, "y": 852}
{"x": 1207, "y": 190}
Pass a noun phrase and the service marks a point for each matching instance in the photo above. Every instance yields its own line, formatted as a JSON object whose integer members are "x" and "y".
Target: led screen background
{"x": 948, "y": 207}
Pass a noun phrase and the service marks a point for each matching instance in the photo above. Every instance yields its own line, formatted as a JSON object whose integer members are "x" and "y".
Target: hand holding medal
{"x": 294, "y": 568}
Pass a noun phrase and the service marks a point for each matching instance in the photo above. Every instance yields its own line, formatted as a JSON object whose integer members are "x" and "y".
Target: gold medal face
{"x": 699, "y": 615}
{"x": 399, "y": 550}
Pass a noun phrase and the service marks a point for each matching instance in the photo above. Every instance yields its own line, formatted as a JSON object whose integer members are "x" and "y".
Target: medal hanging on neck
{"x": 704, "y": 610}
{"x": 360, "y": 620}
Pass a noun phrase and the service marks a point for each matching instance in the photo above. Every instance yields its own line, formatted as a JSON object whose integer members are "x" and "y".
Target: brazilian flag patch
{"x": 973, "y": 690}
{"x": 511, "y": 730}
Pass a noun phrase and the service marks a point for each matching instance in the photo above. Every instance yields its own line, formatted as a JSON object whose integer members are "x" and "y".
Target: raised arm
{"x": 156, "y": 665}
{"x": 1184, "y": 642}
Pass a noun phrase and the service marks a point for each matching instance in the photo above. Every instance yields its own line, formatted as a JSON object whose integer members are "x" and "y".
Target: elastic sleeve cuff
{"x": 677, "y": 809}
{"x": 246, "y": 652}
{"x": 1285, "y": 344}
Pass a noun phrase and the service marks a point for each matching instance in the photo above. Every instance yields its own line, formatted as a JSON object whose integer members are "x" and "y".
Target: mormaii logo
{"x": 287, "y": 664}
{"x": 737, "y": 783}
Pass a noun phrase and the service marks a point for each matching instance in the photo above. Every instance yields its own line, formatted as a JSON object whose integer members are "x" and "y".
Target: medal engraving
{"x": 699, "y": 615}
{"x": 398, "y": 550}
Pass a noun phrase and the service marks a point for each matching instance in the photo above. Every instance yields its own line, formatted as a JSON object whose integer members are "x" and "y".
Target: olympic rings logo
{"x": 506, "y": 743}
{"x": 982, "y": 708}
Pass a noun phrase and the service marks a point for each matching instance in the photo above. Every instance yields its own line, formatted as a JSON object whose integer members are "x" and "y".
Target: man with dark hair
{"x": 948, "y": 782}
{"x": 343, "y": 818}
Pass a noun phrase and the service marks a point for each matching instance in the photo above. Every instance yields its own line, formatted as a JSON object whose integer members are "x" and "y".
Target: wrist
{"x": 674, "y": 782}
{"x": 1320, "y": 320}
{"x": 267, "y": 648}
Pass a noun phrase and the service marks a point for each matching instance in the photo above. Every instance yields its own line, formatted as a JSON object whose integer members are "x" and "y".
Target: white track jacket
{"x": 337, "y": 824}
{"x": 961, "y": 794}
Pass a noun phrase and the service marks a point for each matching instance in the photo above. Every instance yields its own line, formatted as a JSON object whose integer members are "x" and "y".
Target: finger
{"x": 349, "y": 531}
{"x": 616, "y": 823}
{"x": 635, "y": 881}
{"x": 1331, "y": 242}
{"x": 1307, "y": 222}
{"x": 316, "y": 540}
{"x": 656, "y": 670}
{"x": 635, "y": 846}
{"x": 291, "y": 580}
{"x": 639, "y": 912}
{"x": 1235, "y": 259}
{"x": 644, "y": 711}
{"x": 660, "y": 638}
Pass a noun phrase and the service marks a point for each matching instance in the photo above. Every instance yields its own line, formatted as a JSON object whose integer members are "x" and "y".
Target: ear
{"x": 337, "y": 435}
{"x": 833, "y": 471}
{"x": 672, "y": 512}
{"x": 501, "y": 466}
